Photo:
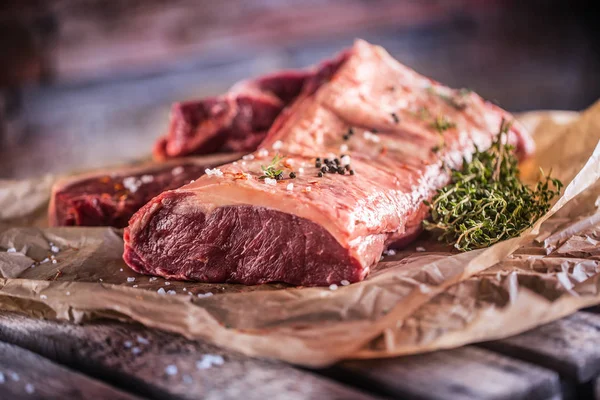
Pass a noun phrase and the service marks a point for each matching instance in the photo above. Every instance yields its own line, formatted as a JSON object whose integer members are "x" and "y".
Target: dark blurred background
{"x": 86, "y": 83}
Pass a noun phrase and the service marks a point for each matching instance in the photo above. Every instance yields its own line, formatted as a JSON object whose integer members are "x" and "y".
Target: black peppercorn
{"x": 293, "y": 175}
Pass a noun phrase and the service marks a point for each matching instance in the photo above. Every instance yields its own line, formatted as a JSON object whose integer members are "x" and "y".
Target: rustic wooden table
{"x": 112, "y": 360}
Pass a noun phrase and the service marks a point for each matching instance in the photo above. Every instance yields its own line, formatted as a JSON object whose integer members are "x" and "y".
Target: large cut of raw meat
{"x": 238, "y": 120}
{"x": 109, "y": 198}
{"x": 397, "y": 131}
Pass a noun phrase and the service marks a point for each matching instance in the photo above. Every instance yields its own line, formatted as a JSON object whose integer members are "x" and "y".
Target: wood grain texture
{"x": 160, "y": 365}
{"x": 570, "y": 346}
{"x": 458, "y": 374}
{"x": 25, "y": 375}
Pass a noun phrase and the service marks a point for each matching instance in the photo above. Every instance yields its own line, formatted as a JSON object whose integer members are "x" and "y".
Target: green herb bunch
{"x": 486, "y": 202}
{"x": 271, "y": 171}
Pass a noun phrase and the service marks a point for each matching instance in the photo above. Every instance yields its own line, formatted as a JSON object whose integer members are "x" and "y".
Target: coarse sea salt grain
{"x": 248, "y": 157}
{"x": 45, "y": 260}
{"x": 121, "y": 269}
{"x": 187, "y": 379}
{"x": 263, "y": 153}
{"x": 301, "y": 170}
{"x": 171, "y": 292}
{"x": 167, "y": 283}
{"x": 29, "y": 388}
{"x": 135, "y": 286}
{"x": 420, "y": 249}
{"x": 136, "y": 350}
{"x": 11, "y": 250}
{"x": 161, "y": 291}
{"x": 171, "y": 370}
{"x": 344, "y": 283}
{"x": 54, "y": 249}
{"x": 308, "y": 189}
{"x": 213, "y": 172}
{"x": 345, "y": 160}
{"x": 142, "y": 340}
{"x": 2, "y": 378}
{"x": 132, "y": 184}
{"x": 333, "y": 286}
{"x": 14, "y": 376}
{"x": 344, "y": 148}
{"x": 153, "y": 279}
{"x": 207, "y": 294}
{"x": 269, "y": 181}
{"x": 131, "y": 279}
{"x": 128, "y": 344}
{"x": 68, "y": 293}
{"x": 371, "y": 137}
{"x": 289, "y": 187}
{"x": 147, "y": 178}
{"x": 177, "y": 170}
{"x": 43, "y": 297}
{"x": 277, "y": 145}
{"x": 208, "y": 360}
{"x": 54, "y": 261}
{"x": 390, "y": 252}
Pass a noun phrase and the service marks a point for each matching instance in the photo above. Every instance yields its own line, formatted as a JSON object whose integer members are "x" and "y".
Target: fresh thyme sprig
{"x": 486, "y": 202}
{"x": 270, "y": 170}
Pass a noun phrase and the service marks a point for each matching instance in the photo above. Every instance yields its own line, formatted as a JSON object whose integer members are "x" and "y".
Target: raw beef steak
{"x": 109, "y": 198}
{"x": 388, "y": 135}
{"x": 238, "y": 120}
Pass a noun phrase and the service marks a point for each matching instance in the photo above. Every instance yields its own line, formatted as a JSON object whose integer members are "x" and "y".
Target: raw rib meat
{"x": 111, "y": 198}
{"x": 397, "y": 127}
{"x": 240, "y": 119}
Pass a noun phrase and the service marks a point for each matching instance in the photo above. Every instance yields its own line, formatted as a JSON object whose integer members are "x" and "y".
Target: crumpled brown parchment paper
{"x": 423, "y": 298}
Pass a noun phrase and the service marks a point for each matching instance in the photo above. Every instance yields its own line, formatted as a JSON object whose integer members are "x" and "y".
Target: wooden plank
{"x": 570, "y": 346}
{"x": 160, "y": 365}
{"x": 25, "y": 375}
{"x": 463, "y": 373}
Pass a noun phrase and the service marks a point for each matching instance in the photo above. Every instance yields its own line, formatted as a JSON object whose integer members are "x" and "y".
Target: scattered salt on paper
{"x": 142, "y": 340}
{"x": 171, "y": 370}
{"x": 208, "y": 360}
